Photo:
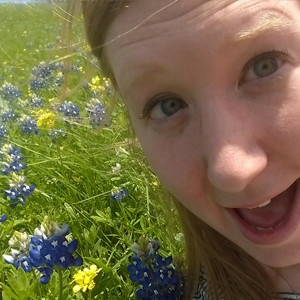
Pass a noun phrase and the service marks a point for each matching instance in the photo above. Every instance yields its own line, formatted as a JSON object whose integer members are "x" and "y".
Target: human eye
{"x": 263, "y": 65}
{"x": 163, "y": 106}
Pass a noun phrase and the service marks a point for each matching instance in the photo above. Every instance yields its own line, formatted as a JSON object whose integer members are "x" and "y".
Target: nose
{"x": 234, "y": 155}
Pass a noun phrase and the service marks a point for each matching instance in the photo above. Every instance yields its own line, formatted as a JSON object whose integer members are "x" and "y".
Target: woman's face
{"x": 213, "y": 91}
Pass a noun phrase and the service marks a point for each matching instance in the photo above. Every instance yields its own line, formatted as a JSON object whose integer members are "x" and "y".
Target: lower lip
{"x": 273, "y": 236}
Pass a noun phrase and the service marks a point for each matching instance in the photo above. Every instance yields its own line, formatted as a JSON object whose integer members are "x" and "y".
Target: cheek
{"x": 179, "y": 168}
{"x": 285, "y": 127}
{"x": 182, "y": 173}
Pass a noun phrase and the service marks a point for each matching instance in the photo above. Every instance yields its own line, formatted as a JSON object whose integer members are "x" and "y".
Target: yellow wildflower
{"x": 96, "y": 84}
{"x": 51, "y": 100}
{"x": 45, "y": 119}
{"x": 85, "y": 279}
{"x": 96, "y": 80}
{"x": 30, "y": 93}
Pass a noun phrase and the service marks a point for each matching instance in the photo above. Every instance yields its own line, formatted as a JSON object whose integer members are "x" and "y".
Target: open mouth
{"x": 272, "y": 220}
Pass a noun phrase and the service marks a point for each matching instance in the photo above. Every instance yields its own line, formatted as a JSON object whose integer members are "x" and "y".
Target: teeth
{"x": 265, "y": 203}
{"x": 261, "y": 205}
{"x": 268, "y": 228}
{"x": 264, "y": 229}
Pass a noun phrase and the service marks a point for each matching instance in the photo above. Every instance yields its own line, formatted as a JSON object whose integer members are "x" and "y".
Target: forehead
{"x": 156, "y": 24}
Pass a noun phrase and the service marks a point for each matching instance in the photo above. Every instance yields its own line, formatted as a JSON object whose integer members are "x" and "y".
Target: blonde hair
{"x": 230, "y": 272}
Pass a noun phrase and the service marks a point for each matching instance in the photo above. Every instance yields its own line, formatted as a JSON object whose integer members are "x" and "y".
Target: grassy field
{"x": 68, "y": 161}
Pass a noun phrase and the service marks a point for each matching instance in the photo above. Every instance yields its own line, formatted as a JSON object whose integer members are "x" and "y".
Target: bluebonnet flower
{"x": 37, "y": 84}
{"x": 77, "y": 67}
{"x": 10, "y": 92}
{"x": 36, "y": 101}
{"x": 29, "y": 126}
{"x": 96, "y": 112}
{"x": 18, "y": 257}
{"x": 43, "y": 70}
{"x": 156, "y": 275}
{"x": 8, "y": 115}
{"x": 59, "y": 80}
{"x": 3, "y": 131}
{"x": 69, "y": 109}
{"x": 42, "y": 76}
{"x": 50, "y": 247}
{"x": 13, "y": 165}
{"x": 19, "y": 190}
{"x": 12, "y": 159}
{"x": 118, "y": 193}
{"x": 3, "y": 218}
{"x": 46, "y": 274}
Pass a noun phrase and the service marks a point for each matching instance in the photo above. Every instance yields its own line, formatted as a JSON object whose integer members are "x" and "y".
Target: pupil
{"x": 265, "y": 67}
{"x": 170, "y": 107}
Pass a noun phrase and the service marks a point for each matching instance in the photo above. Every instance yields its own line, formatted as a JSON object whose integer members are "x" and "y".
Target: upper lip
{"x": 255, "y": 204}
{"x": 264, "y": 199}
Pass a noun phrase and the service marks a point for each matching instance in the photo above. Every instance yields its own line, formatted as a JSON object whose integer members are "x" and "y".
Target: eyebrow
{"x": 267, "y": 23}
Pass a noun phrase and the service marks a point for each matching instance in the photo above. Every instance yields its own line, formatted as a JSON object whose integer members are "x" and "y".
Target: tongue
{"x": 271, "y": 214}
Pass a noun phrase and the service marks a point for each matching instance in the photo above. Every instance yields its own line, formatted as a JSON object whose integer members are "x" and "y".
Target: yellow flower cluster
{"x": 85, "y": 279}
{"x": 98, "y": 84}
{"x": 45, "y": 119}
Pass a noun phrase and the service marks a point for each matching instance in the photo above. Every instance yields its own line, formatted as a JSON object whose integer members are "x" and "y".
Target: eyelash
{"x": 255, "y": 58}
{"x": 155, "y": 101}
{"x": 265, "y": 54}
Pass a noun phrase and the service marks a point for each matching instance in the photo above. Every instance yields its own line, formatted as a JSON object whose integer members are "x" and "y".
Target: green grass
{"x": 74, "y": 175}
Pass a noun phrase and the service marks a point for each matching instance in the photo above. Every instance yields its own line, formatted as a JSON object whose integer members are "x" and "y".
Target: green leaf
{"x": 7, "y": 290}
{"x": 99, "y": 264}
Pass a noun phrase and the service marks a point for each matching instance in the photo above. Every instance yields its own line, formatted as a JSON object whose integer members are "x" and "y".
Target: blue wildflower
{"x": 118, "y": 194}
{"x": 50, "y": 247}
{"x": 59, "y": 80}
{"x": 42, "y": 70}
{"x": 42, "y": 76}
{"x": 37, "y": 84}
{"x": 156, "y": 275}
{"x": 96, "y": 112}
{"x": 3, "y": 131}
{"x": 19, "y": 190}
{"x": 69, "y": 109}
{"x": 12, "y": 160}
{"x": 19, "y": 244}
{"x": 29, "y": 126}
{"x": 3, "y": 218}
{"x": 46, "y": 272}
{"x": 18, "y": 259}
{"x": 36, "y": 101}
{"x": 8, "y": 115}
{"x": 18, "y": 195}
{"x": 10, "y": 92}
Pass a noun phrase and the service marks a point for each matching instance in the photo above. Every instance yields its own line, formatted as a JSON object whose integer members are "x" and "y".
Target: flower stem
{"x": 38, "y": 286}
{"x": 60, "y": 296}
{"x": 90, "y": 295}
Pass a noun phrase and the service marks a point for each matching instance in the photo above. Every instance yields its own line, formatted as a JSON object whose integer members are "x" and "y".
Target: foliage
{"x": 69, "y": 159}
